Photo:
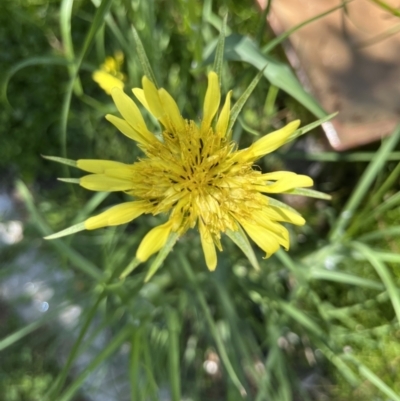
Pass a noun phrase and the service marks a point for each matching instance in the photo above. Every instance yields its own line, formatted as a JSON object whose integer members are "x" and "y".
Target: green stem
{"x": 213, "y": 328}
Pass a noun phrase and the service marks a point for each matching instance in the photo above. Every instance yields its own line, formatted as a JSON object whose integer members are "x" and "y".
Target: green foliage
{"x": 326, "y": 312}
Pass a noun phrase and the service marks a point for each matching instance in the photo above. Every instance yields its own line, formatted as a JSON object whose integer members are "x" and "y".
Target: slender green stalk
{"x": 273, "y": 43}
{"x": 384, "y": 273}
{"x": 213, "y": 328}
{"x": 134, "y": 364}
{"x": 100, "y": 358}
{"x": 173, "y": 354}
{"x": 219, "y": 51}
{"x": 59, "y": 382}
{"x": 338, "y": 230}
{"x": 80, "y": 262}
{"x": 373, "y": 378}
{"x": 355, "y": 157}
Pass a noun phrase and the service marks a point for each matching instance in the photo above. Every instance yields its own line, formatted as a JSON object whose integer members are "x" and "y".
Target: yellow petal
{"x": 172, "y": 111}
{"x": 154, "y": 102}
{"x": 276, "y": 175}
{"x": 223, "y": 119}
{"x": 97, "y": 166}
{"x": 153, "y": 241}
{"x": 273, "y": 141}
{"x": 100, "y": 182}
{"x": 211, "y": 101}
{"x": 286, "y": 184}
{"x": 120, "y": 214}
{"x": 139, "y": 93}
{"x": 130, "y": 112}
{"x": 265, "y": 220}
{"x": 208, "y": 246}
{"x": 107, "y": 81}
{"x": 126, "y": 129}
{"x": 122, "y": 172}
{"x": 266, "y": 240}
{"x": 285, "y": 215}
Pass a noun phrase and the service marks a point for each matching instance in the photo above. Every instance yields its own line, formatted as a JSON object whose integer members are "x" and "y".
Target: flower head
{"x": 194, "y": 174}
{"x": 109, "y": 75}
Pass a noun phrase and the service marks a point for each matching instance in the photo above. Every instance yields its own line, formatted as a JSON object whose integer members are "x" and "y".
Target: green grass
{"x": 328, "y": 309}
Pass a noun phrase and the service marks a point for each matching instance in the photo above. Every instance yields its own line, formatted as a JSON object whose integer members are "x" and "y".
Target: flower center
{"x": 195, "y": 174}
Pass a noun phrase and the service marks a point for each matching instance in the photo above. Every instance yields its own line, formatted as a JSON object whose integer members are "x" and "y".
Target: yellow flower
{"x": 194, "y": 174}
{"x": 109, "y": 75}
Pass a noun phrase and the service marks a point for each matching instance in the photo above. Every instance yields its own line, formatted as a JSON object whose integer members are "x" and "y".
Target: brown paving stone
{"x": 348, "y": 62}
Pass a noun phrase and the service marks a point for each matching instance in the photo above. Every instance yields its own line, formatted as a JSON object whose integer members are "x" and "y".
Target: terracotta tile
{"x": 347, "y": 60}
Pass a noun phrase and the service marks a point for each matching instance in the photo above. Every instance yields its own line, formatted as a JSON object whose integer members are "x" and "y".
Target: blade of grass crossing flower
{"x": 363, "y": 186}
{"x": 219, "y": 52}
{"x": 236, "y": 109}
{"x": 111, "y": 347}
{"x": 213, "y": 328}
{"x": 85, "y": 265}
{"x": 144, "y": 61}
{"x": 162, "y": 254}
{"x": 384, "y": 274}
{"x": 173, "y": 353}
{"x": 241, "y": 240}
{"x": 365, "y": 372}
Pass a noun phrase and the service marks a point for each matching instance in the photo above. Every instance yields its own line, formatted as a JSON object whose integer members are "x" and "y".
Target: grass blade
{"x": 85, "y": 265}
{"x": 373, "y": 378}
{"x": 219, "y": 52}
{"x": 144, "y": 61}
{"x": 383, "y": 272}
{"x": 363, "y": 186}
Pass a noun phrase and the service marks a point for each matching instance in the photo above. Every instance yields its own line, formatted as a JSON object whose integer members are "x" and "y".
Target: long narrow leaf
{"x": 374, "y": 379}
{"x": 85, "y": 265}
{"x": 384, "y": 273}
{"x": 219, "y": 52}
{"x": 364, "y": 185}
{"x": 144, "y": 61}
{"x": 241, "y": 240}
